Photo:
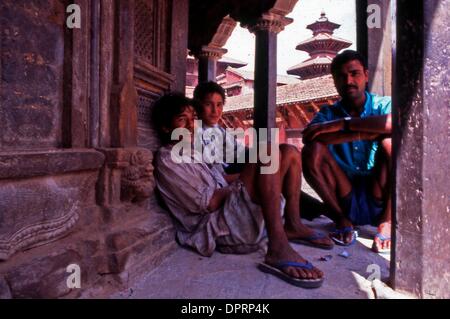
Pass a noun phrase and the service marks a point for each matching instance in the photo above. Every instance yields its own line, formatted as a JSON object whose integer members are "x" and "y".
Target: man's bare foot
{"x": 345, "y": 237}
{"x": 287, "y": 254}
{"x": 303, "y": 232}
{"x": 382, "y": 241}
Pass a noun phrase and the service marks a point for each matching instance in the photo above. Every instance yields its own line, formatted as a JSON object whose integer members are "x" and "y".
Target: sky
{"x": 241, "y": 44}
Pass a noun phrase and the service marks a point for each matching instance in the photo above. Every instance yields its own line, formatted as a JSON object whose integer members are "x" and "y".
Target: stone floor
{"x": 187, "y": 275}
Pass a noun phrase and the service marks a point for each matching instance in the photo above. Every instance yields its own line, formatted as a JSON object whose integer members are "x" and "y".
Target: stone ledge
{"x": 32, "y": 164}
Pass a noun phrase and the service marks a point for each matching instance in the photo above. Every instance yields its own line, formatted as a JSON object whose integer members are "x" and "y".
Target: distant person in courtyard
{"x": 347, "y": 154}
{"x": 211, "y": 214}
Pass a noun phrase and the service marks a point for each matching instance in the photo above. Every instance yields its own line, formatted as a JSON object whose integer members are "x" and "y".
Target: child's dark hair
{"x": 204, "y": 89}
{"x": 165, "y": 109}
{"x": 347, "y": 56}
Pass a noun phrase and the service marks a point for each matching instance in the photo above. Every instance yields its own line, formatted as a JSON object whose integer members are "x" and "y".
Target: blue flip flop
{"x": 308, "y": 241}
{"x": 343, "y": 231}
{"x": 277, "y": 270}
{"x": 382, "y": 238}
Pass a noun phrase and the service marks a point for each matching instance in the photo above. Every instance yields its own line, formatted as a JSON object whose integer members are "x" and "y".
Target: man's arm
{"x": 230, "y": 178}
{"x": 381, "y": 124}
{"x": 373, "y": 126}
{"x": 341, "y": 137}
{"x": 218, "y": 198}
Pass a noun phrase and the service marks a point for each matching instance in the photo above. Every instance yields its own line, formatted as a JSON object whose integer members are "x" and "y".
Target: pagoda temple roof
{"x": 312, "y": 61}
{"x": 322, "y": 48}
{"x": 316, "y": 41}
{"x": 323, "y": 25}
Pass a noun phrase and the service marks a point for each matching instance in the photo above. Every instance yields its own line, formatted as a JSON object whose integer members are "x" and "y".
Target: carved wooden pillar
{"x": 266, "y": 29}
{"x": 379, "y": 52}
{"x": 178, "y": 45}
{"x": 361, "y": 27}
{"x": 124, "y": 95}
{"x": 155, "y": 59}
{"x": 209, "y": 54}
{"x": 207, "y": 63}
{"x": 148, "y": 55}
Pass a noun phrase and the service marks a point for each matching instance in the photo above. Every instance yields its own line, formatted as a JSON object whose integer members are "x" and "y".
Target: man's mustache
{"x": 350, "y": 87}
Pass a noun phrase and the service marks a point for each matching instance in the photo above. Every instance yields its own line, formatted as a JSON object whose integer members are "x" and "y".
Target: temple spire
{"x": 322, "y": 48}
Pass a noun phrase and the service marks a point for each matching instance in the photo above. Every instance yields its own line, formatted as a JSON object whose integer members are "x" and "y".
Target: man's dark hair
{"x": 204, "y": 89}
{"x": 347, "y": 56}
{"x": 165, "y": 109}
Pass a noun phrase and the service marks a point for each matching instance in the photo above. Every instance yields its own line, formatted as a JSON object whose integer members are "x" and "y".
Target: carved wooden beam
{"x": 315, "y": 106}
{"x": 302, "y": 115}
{"x": 293, "y": 120}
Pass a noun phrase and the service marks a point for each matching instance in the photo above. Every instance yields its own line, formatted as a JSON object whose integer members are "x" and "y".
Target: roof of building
{"x": 312, "y": 61}
{"x": 226, "y": 60}
{"x": 250, "y": 76}
{"x": 323, "y": 24}
{"x": 322, "y": 37}
{"x": 232, "y": 61}
{"x": 305, "y": 91}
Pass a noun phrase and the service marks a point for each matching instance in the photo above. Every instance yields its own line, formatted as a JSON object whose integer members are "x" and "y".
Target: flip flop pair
{"x": 309, "y": 241}
{"x": 344, "y": 231}
{"x": 382, "y": 238}
{"x": 277, "y": 270}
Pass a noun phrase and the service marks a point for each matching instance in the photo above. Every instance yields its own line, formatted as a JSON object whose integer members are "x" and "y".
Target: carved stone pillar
{"x": 420, "y": 110}
{"x": 266, "y": 29}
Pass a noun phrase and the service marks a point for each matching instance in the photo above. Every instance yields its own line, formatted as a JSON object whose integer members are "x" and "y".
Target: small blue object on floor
{"x": 345, "y": 254}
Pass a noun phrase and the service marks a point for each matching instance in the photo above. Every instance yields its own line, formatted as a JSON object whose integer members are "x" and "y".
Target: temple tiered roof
{"x": 322, "y": 48}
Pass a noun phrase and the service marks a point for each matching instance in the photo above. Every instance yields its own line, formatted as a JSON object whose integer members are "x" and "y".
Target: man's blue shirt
{"x": 355, "y": 158}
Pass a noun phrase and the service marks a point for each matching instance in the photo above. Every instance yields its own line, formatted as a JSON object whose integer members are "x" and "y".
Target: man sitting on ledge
{"x": 212, "y": 214}
{"x": 347, "y": 154}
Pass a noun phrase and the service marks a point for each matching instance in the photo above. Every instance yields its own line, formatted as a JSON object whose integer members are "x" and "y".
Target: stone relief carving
{"x": 137, "y": 181}
{"x": 43, "y": 195}
{"x": 38, "y": 234}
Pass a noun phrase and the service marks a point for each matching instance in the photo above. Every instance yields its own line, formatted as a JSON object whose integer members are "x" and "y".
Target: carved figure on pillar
{"x": 137, "y": 182}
